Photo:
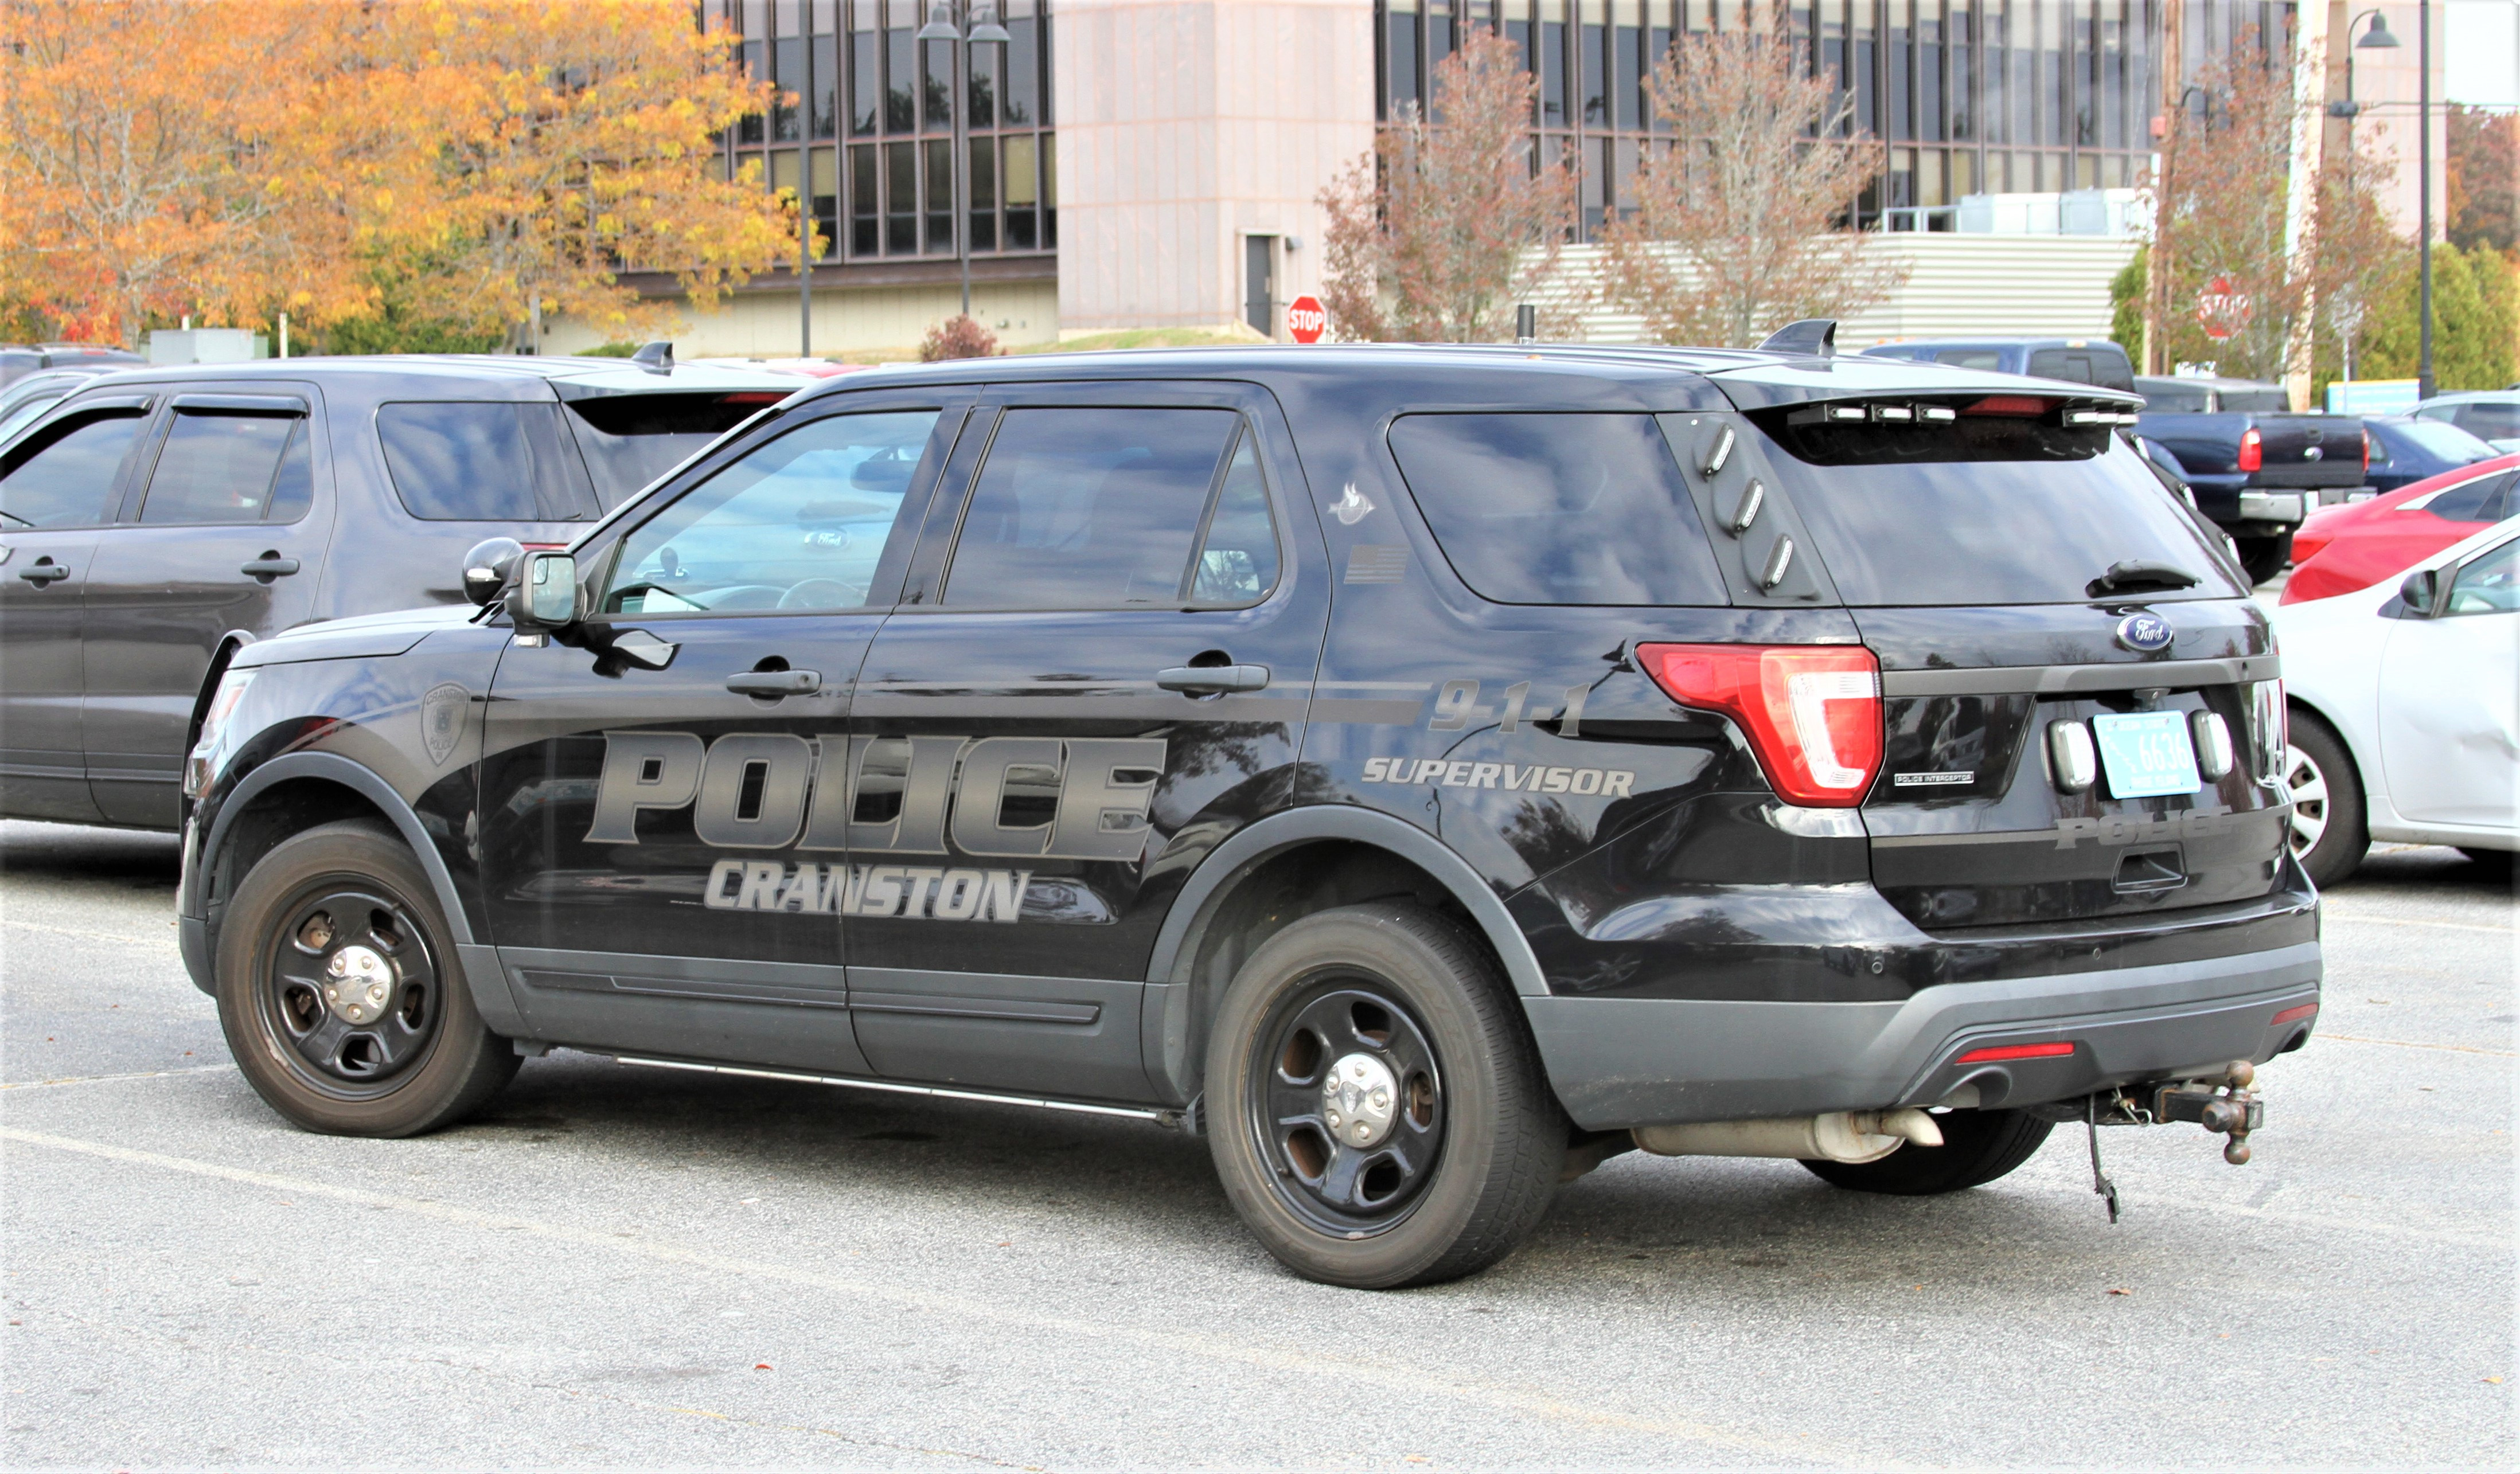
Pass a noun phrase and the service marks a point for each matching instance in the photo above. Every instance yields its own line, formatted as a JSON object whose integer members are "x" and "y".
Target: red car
{"x": 2342, "y": 549}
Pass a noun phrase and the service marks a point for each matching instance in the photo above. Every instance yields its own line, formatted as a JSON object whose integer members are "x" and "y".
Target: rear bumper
{"x": 1619, "y": 1062}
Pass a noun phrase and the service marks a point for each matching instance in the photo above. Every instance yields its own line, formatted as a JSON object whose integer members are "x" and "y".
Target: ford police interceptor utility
{"x": 1422, "y": 771}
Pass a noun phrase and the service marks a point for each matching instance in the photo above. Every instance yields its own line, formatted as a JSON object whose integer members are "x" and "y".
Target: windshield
{"x": 1994, "y": 509}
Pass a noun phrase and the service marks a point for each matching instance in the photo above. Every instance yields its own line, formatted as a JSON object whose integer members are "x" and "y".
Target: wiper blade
{"x": 2129, "y": 574}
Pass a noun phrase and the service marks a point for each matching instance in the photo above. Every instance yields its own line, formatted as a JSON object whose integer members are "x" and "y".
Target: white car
{"x": 2404, "y": 706}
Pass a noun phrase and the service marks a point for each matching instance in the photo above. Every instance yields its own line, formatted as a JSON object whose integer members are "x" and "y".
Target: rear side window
{"x": 63, "y": 479}
{"x": 1098, "y": 509}
{"x": 629, "y": 440}
{"x": 484, "y": 462}
{"x": 2489, "y": 420}
{"x": 219, "y": 467}
{"x": 2478, "y": 501}
{"x": 1558, "y": 508}
{"x": 1992, "y": 509}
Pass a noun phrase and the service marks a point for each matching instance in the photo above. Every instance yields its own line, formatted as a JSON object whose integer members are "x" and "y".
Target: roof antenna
{"x": 1812, "y": 335}
{"x": 658, "y": 357}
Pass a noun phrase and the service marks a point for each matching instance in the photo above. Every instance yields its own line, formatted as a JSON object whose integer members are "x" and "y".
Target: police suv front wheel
{"x": 340, "y": 994}
{"x": 1379, "y": 1113}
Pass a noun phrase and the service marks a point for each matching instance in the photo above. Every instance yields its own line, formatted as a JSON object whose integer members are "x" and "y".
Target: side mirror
{"x": 488, "y": 567}
{"x": 2418, "y": 592}
{"x": 546, "y": 593}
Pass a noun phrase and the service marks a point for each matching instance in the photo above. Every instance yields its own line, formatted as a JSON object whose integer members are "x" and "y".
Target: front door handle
{"x": 269, "y": 566}
{"x": 775, "y": 683}
{"x": 44, "y": 572}
{"x": 1202, "y": 679}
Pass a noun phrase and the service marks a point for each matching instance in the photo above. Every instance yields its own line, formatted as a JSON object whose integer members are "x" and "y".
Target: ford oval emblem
{"x": 2145, "y": 633}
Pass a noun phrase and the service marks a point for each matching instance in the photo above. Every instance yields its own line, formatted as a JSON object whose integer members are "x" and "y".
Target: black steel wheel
{"x": 340, "y": 994}
{"x": 2263, "y": 557}
{"x": 1379, "y": 1117}
{"x": 1349, "y": 1102}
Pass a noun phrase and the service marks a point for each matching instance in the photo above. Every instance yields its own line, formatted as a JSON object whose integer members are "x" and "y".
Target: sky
{"x": 2480, "y": 42}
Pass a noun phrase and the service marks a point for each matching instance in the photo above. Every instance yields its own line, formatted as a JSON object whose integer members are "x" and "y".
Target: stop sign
{"x": 2222, "y": 308}
{"x": 1305, "y": 318}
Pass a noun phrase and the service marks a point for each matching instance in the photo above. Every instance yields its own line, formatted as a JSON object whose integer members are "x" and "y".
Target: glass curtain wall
{"x": 873, "y": 132}
{"x": 1970, "y": 96}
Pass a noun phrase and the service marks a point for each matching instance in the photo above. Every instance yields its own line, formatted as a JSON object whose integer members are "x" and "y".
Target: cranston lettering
{"x": 1444, "y": 773}
{"x": 887, "y": 795}
{"x": 913, "y": 892}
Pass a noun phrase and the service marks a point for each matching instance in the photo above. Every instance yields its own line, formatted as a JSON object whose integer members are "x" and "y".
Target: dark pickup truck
{"x": 2258, "y": 474}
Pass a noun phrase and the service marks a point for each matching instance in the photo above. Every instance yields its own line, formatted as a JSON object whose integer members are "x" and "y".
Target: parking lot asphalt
{"x": 622, "y": 1266}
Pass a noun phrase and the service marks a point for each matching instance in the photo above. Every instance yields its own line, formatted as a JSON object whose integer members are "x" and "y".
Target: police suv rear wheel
{"x": 1978, "y": 1147}
{"x": 1380, "y": 1114}
{"x": 340, "y": 994}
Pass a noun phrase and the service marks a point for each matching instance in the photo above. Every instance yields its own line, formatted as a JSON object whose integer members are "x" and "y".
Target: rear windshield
{"x": 1988, "y": 510}
{"x": 2447, "y": 441}
{"x": 2270, "y": 400}
{"x": 632, "y": 440}
{"x": 483, "y": 462}
{"x": 1558, "y": 508}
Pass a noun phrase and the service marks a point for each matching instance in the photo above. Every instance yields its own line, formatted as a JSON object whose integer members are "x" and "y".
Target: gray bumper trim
{"x": 1619, "y": 1062}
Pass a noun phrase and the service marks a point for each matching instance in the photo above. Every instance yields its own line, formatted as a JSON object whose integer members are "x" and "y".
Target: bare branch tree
{"x": 1739, "y": 222}
{"x": 1446, "y": 225}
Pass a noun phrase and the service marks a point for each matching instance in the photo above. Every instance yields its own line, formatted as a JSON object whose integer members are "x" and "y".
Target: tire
{"x": 399, "y": 1050}
{"x": 1978, "y": 1147}
{"x": 2329, "y": 830}
{"x": 2263, "y": 557}
{"x": 1458, "y": 1163}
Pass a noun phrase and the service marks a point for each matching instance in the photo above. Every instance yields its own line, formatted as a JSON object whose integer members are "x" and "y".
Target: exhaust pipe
{"x": 1839, "y": 1136}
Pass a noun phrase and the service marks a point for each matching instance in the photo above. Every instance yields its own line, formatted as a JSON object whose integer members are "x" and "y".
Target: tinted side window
{"x": 1088, "y": 508}
{"x": 2478, "y": 501}
{"x": 629, "y": 440}
{"x": 217, "y": 468}
{"x": 25, "y": 412}
{"x": 64, "y": 479}
{"x": 798, "y": 524}
{"x": 1237, "y": 560}
{"x": 2488, "y": 584}
{"x": 1558, "y": 508}
{"x": 2488, "y": 420}
{"x": 484, "y": 462}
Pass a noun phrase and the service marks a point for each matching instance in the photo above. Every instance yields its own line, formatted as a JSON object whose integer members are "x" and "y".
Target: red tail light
{"x": 1812, "y": 712}
{"x": 2253, "y": 449}
{"x": 1995, "y": 1053}
{"x": 2367, "y": 450}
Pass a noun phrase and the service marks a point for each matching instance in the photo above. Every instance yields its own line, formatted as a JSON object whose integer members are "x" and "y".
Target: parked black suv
{"x": 1422, "y": 769}
{"x": 152, "y": 521}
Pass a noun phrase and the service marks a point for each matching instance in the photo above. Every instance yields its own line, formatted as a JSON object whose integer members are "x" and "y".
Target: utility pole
{"x": 2424, "y": 207}
{"x": 2301, "y": 199}
{"x": 2157, "y": 254}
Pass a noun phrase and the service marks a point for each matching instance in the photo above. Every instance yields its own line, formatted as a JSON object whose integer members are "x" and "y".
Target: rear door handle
{"x": 775, "y": 683}
{"x": 269, "y": 566}
{"x": 43, "y": 573}
{"x": 1208, "y": 678}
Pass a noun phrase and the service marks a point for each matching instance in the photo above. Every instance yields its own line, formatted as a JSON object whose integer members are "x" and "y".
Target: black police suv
{"x": 1424, "y": 771}
{"x": 155, "y": 520}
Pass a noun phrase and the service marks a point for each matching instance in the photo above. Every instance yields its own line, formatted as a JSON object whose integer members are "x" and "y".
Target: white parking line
{"x": 1396, "y": 1376}
{"x": 2363, "y": 920}
{"x": 2409, "y": 1044}
{"x": 42, "y": 1085}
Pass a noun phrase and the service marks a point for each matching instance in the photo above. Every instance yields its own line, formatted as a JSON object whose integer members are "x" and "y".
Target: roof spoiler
{"x": 1814, "y": 335}
{"x": 658, "y": 357}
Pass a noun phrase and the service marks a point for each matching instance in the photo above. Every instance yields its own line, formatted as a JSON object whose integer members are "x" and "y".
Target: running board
{"x": 1170, "y": 1118}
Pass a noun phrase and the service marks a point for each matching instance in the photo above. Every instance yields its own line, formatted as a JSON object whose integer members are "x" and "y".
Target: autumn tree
{"x": 1740, "y": 222}
{"x": 570, "y": 144}
{"x": 2483, "y": 154}
{"x": 1445, "y": 227}
{"x": 148, "y": 165}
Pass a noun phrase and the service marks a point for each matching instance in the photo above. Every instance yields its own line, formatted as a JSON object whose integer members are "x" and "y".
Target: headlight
{"x": 203, "y": 763}
{"x": 2268, "y": 737}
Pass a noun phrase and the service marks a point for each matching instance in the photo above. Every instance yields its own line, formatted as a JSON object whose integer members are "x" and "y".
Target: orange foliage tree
{"x": 499, "y": 160}
{"x": 150, "y": 163}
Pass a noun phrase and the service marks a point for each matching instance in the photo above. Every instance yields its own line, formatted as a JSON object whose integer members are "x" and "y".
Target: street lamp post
{"x": 985, "y": 31}
{"x": 2347, "y": 315}
{"x": 2425, "y": 207}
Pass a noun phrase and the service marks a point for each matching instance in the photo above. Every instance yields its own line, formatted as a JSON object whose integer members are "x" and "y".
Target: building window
{"x": 860, "y": 60}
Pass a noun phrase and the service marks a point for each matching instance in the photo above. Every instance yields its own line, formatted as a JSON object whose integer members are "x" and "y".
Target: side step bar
{"x": 1159, "y": 1117}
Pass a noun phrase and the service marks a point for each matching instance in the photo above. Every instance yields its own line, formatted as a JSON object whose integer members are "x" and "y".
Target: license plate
{"x": 2147, "y": 755}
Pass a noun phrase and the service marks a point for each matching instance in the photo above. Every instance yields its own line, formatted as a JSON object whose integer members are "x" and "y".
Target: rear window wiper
{"x": 2130, "y": 574}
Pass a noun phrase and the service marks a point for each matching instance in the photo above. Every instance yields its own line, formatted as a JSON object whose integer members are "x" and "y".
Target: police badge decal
{"x": 441, "y": 720}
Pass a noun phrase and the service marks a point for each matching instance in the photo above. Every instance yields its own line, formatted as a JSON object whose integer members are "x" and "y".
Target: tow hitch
{"x": 2229, "y": 1107}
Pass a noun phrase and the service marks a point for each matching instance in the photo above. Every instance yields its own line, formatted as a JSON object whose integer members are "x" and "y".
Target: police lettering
{"x": 1444, "y": 773}
{"x": 885, "y": 795}
{"x": 913, "y": 892}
